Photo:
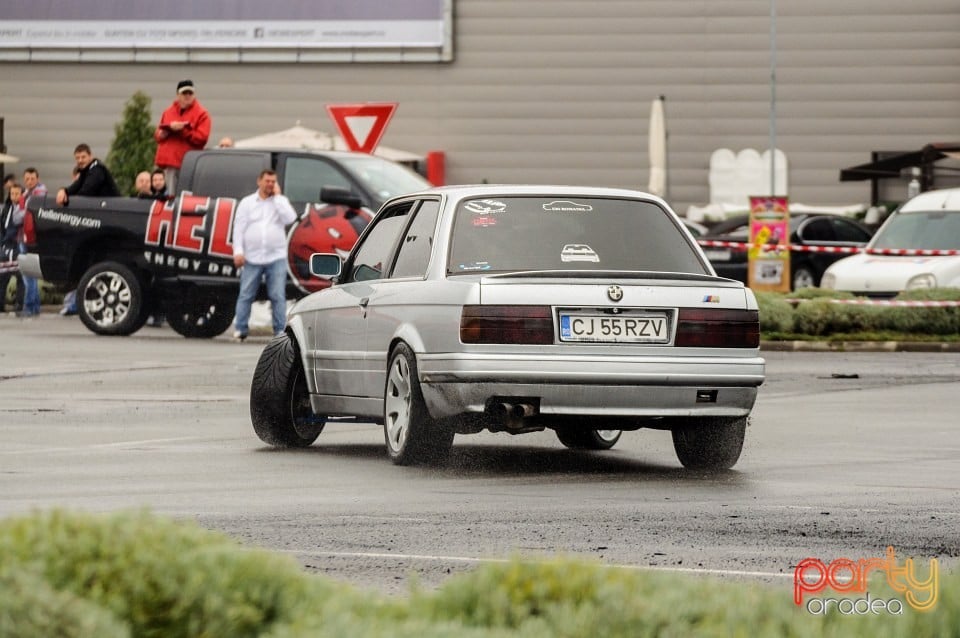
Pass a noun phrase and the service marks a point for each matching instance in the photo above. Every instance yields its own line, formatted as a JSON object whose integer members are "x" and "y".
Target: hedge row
{"x": 816, "y": 315}
{"x": 135, "y": 574}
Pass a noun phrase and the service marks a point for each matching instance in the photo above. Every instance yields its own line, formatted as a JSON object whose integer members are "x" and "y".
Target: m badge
{"x": 615, "y": 293}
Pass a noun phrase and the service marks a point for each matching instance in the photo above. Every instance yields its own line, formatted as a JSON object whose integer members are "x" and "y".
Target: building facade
{"x": 559, "y": 91}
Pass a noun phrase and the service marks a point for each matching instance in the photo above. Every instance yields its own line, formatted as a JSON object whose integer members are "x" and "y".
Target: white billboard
{"x": 226, "y": 30}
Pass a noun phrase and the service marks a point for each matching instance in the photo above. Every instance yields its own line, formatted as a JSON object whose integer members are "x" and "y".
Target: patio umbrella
{"x": 301, "y": 137}
{"x": 657, "y": 140}
{"x": 295, "y": 137}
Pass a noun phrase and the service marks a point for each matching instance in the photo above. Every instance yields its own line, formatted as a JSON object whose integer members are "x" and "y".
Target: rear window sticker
{"x": 578, "y": 252}
{"x": 485, "y": 206}
{"x": 476, "y": 265}
{"x": 483, "y": 221}
{"x": 566, "y": 206}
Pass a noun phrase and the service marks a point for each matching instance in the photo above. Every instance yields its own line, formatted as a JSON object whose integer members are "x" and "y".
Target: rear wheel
{"x": 709, "y": 443}
{"x": 110, "y": 299}
{"x": 412, "y": 435}
{"x": 279, "y": 400}
{"x": 803, "y": 277}
{"x": 580, "y": 439}
{"x": 200, "y": 319}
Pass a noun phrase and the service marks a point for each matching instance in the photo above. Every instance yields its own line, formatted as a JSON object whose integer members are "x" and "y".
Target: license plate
{"x": 646, "y": 328}
{"x": 717, "y": 255}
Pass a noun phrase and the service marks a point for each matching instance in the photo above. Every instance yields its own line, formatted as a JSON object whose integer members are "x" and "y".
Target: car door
{"x": 341, "y": 364}
{"x": 404, "y": 295}
{"x": 815, "y": 231}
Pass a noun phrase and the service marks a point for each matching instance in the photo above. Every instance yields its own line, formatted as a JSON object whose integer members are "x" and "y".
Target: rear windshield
{"x": 934, "y": 230}
{"x": 549, "y": 233}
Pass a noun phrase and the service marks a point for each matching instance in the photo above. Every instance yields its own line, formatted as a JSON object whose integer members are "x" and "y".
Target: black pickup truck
{"x": 129, "y": 258}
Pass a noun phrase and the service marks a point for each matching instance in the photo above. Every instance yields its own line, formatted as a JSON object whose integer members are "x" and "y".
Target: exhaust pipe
{"x": 522, "y": 410}
{"x": 506, "y": 416}
{"x": 509, "y": 415}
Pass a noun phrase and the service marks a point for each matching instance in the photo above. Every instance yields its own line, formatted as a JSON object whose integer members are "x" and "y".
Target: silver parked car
{"x": 517, "y": 308}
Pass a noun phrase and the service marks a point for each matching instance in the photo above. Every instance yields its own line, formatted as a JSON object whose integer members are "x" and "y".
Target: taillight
{"x": 29, "y": 228}
{"x": 718, "y": 328}
{"x": 506, "y": 324}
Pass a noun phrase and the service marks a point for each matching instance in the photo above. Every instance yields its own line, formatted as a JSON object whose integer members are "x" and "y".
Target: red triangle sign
{"x": 361, "y": 125}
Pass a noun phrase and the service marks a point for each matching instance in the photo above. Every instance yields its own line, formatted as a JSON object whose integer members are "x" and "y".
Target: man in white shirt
{"x": 260, "y": 250}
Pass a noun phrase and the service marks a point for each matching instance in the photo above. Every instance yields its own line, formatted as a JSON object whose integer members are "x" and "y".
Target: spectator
{"x": 93, "y": 179}
{"x": 9, "y": 246}
{"x": 158, "y": 190}
{"x": 260, "y": 250}
{"x": 225, "y": 142}
{"x": 32, "y": 185}
{"x": 142, "y": 185}
{"x": 31, "y": 288}
{"x": 184, "y": 126}
{"x": 158, "y": 184}
{"x": 70, "y": 299}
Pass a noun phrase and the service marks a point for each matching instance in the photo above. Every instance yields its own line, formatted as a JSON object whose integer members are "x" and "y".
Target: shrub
{"x": 133, "y": 148}
{"x": 937, "y": 321}
{"x": 159, "y": 577}
{"x": 821, "y": 293}
{"x": 817, "y": 316}
{"x": 565, "y": 598}
{"x": 133, "y": 574}
{"x": 776, "y": 313}
{"x": 31, "y": 608}
{"x": 814, "y": 317}
{"x": 930, "y": 294}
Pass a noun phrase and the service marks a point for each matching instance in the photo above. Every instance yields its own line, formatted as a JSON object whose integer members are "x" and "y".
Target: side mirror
{"x": 325, "y": 265}
{"x": 340, "y": 196}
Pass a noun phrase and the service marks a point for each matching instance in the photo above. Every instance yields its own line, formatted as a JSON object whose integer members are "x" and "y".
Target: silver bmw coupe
{"x": 589, "y": 311}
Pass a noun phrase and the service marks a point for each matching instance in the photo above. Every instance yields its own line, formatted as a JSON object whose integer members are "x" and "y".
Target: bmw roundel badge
{"x": 615, "y": 293}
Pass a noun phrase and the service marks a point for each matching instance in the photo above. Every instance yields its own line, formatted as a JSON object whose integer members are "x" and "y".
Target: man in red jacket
{"x": 185, "y": 125}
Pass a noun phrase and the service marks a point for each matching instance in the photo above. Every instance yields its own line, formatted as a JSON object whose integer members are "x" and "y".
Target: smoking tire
{"x": 279, "y": 401}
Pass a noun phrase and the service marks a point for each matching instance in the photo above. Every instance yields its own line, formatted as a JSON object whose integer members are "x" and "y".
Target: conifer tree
{"x": 133, "y": 148}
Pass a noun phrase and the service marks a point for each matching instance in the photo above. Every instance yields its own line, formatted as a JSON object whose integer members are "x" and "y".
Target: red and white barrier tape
{"x": 889, "y": 302}
{"x": 743, "y": 246}
{"x": 911, "y": 251}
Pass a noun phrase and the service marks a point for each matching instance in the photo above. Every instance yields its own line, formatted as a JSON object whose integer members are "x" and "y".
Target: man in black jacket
{"x": 93, "y": 178}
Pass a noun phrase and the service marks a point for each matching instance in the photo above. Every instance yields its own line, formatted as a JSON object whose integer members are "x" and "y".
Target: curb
{"x": 859, "y": 346}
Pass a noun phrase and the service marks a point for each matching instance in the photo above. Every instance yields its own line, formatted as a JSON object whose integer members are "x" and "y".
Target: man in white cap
{"x": 184, "y": 126}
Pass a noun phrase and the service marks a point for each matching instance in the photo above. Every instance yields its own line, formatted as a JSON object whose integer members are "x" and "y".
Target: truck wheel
{"x": 413, "y": 437}
{"x": 279, "y": 401}
{"x": 110, "y": 299}
{"x": 709, "y": 443}
{"x": 201, "y": 320}
{"x": 581, "y": 439}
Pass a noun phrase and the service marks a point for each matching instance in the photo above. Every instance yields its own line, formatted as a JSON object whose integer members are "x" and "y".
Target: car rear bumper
{"x": 612, "y": 387}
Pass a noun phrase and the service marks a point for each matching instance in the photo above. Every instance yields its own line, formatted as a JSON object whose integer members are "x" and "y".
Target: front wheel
{"x": 711, "y": 443}
{"x": 580, "y": 439}
{"x": 279, "y": 400}
{"x": 413, "y": 437}
{"x": 110, "y": 299}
